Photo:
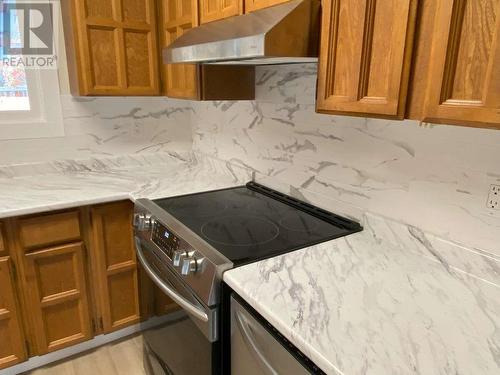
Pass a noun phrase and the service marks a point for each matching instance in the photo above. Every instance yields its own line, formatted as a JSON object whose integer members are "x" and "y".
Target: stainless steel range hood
{"x": 282, "y": 34}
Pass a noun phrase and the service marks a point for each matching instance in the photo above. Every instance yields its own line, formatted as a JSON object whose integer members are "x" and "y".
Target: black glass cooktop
{"x": 253, "y": 222}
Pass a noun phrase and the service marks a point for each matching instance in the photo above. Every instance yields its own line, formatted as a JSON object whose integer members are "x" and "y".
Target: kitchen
{"x": 303, "y": 188}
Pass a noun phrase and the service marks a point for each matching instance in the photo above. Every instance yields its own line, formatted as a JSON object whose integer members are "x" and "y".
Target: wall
{"x": 433, "y": 177}
{"x": 105, "y": 126}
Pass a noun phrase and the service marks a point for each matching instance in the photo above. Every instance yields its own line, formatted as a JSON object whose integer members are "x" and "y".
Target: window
{"x": 13, "y": 86}
{"x": 29, "y": 97}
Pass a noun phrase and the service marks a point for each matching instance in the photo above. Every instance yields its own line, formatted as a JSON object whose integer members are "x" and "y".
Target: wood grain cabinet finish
{"x": 213, "y": 10}
{"x": 46, "y": 230}
{"x": 51, "y": 259}
{"x": 12, "y": 348}
{"x": 112, "y": 47}
{"x": 365, "y": 57}
{"x": 253, "y": 5}
{"x": 3, "y": 246}
{"x": 54, "y": 284}
{"x": 115, "y": 265}
{"x": 176, "y": 17}
{"x": 191, "y": 81}
{"x": 464, "y": 75}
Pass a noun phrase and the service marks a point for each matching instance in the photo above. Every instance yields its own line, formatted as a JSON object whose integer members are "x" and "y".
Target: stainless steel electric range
{"x": 186, "y": 243}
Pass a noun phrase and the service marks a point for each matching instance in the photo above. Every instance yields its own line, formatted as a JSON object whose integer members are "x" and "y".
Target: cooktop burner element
{"x": 240, "y": 230}
{"x": 253, "y": 222}
{"x": 208, "y": 208}
{"x": 298, "y": 221}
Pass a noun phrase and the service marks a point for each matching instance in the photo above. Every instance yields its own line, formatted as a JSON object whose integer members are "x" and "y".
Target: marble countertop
{"x": 384, "y": 301}
{"x": 78, "y": 183}
{"x": 389, "y": 300}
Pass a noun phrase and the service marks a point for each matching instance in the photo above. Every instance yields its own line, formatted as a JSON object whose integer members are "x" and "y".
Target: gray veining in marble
{"x": 433, "y": 177}
{"x": 368, "y": 305}
{"x": 108, "y": 126}
{"x": 76, "y": 183}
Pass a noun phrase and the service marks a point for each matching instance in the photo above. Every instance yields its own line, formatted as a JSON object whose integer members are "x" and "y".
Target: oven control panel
{"x": 163, "y": 237}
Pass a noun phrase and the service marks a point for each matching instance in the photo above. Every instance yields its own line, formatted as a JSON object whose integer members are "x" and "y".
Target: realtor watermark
{"x": 29, "y": 31}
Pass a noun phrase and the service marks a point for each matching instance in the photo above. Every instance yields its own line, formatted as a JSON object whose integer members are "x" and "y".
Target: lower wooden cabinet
{"x": 12, "y": 347}
{"x": 115, "y": 265}
{"x": 68, "y": 276}
{"x": 54, "y": 285}
{"x": 3, "y": 250}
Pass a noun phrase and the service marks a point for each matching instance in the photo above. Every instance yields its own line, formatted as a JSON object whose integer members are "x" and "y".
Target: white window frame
{"x": 44, "y": 119}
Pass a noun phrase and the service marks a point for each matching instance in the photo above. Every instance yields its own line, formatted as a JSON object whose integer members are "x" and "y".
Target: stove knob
{"x": 137, "y": 220}
{"x": 177, "y": 257}
{"x": 148, "y": 222}
{"x": 189, "y": 265}
{"x": 143, "y": 221}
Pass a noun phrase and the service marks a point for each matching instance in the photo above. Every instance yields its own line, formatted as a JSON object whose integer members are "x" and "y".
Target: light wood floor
{"x": 117, "y": 358}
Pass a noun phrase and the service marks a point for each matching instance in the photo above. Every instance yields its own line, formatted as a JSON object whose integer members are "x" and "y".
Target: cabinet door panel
{"x": 252, "y": 5}
{"x": 99, "y": 8}
{"x": 464, "y": 80}
{"x": 135, "y": 10}
{"x": 365, "y": 57}
{"x": 178, "y": 16}
{"x": 56, "y": 293}
{"x": 104, "y": 58}
{"x": 213, "y": 10}
{"x": 112, "y": 47}
{"x": 138, "y": 47}
{"x": 116, "y": 265}
{"x": 12, "y": 349}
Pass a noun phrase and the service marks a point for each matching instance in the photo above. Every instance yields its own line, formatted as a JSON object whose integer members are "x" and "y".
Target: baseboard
{"x": 97, "y": 341}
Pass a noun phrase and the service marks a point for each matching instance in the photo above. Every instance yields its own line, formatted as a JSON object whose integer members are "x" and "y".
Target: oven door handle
{"x": 181, "y": 301}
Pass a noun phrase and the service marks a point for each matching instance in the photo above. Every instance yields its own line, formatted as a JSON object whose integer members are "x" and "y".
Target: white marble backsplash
{"x": 433, "y": 177}
{"x": 108, "y": 126}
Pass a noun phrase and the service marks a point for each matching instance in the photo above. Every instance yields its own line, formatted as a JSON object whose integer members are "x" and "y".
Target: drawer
{"x": 50, "y": 229}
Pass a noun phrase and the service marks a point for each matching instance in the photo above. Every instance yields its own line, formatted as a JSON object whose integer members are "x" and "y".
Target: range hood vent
{"x": 282, "y": 34}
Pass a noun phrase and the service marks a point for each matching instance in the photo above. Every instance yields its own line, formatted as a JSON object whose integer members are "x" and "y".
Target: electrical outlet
{"x": 494, "y": 197}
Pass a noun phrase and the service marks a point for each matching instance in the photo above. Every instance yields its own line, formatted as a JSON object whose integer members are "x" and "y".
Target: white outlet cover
{"x": 494, "y": 197}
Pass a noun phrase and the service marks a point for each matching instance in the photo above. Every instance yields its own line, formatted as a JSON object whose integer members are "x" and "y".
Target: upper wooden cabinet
{"x": 114, "y": 265}
{"x": 365, "y": 57}
{"x": 111, "y": 47}
{"x": 213, "y": 10}
{"x": 191, "y": 81}
{"x": 176, "y": 17}
{"x": 12, "y": 349}
{"x": 463, "y": 80}
{"x": 252, "y": 5}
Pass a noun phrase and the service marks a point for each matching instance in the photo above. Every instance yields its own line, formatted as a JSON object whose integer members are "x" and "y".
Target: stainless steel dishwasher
{"x": 257, "y": 348}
